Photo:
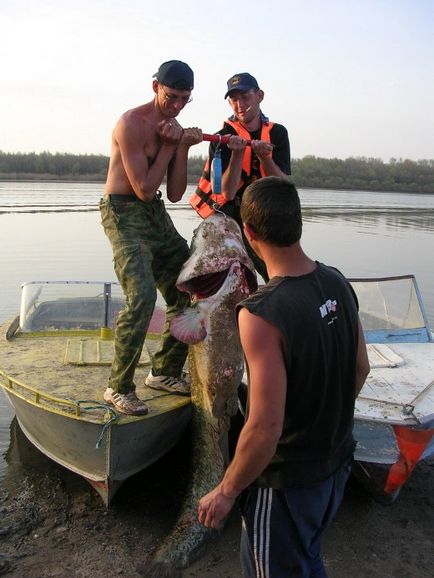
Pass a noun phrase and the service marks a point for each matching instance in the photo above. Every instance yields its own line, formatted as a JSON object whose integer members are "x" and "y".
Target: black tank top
{"x": 317, "y": 316}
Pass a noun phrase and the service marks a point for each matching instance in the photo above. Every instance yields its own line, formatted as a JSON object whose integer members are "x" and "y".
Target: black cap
{"x": 242, "y": 81}
{"x": 175, "y": 74}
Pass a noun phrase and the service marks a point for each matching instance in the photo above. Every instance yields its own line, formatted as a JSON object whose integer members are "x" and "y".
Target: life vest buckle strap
{"x": 216, "y": 208}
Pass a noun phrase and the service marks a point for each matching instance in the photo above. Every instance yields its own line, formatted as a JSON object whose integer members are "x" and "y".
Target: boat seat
{"x": 95, "y": 352}
{"x": 381, "y": 355}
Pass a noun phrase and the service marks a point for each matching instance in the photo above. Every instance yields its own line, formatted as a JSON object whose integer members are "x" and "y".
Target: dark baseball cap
{"x": 242, "y": 81}
{"x": 175, "y": 74}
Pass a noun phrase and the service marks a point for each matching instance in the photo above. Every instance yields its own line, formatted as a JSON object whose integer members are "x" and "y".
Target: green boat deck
{"x": 68, "y": 372}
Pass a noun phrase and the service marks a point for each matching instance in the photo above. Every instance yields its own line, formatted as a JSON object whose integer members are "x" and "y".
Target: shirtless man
{"x": 148, "y": 253}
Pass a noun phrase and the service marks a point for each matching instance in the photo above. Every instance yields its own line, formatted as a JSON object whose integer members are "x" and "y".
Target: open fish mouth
{"x": 207, "y": 285}
{"x": 189, "y": 326}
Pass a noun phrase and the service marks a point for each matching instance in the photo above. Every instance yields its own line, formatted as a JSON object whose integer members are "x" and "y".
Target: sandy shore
{"x": 54, "y": 524}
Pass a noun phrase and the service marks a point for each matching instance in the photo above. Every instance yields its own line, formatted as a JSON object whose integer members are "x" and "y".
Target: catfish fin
{"x": 188, "y": 326}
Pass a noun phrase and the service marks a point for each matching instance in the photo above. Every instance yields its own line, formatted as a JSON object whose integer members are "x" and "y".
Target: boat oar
{"x": 223, "y": 139}
{"x": 220, "y": 139}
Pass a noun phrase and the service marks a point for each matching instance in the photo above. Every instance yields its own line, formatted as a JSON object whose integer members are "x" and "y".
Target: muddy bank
{"x": 54, "y": 524}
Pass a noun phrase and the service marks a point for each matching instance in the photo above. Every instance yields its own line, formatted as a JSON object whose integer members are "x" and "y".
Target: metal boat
{"x": 394, "y": 413}
{"x": 55, "y": 360}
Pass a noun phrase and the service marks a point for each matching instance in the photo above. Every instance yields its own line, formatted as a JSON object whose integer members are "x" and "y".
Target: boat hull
{"x": 55, "y": 363}
{"x": 104, "y": 454}
{"x": 386, "y": 456}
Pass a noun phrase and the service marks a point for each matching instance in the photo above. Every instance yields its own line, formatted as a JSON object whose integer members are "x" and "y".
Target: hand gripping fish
{"x": 218, "y": 275}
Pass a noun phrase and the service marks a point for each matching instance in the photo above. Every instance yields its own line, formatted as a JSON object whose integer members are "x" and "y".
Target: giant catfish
{"x": 218, "y": 275}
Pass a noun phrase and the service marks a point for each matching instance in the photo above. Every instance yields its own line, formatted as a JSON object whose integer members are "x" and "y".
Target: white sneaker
{"x": 127, "y": 403}
{"x": 166, "y": 383}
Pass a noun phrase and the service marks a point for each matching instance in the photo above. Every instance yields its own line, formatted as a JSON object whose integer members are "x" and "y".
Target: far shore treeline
{"x": 359, "y": 173}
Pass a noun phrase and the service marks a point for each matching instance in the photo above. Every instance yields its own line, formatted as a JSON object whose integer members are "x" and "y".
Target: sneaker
{"x": 166, "y": 383}
{"x": 127, "y": 403}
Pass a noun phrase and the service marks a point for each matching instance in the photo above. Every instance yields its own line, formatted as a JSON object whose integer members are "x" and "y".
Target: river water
{"x": 51, "y": 231}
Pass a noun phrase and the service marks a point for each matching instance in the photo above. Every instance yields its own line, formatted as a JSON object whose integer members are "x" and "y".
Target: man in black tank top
{"x": 307, "y": 361}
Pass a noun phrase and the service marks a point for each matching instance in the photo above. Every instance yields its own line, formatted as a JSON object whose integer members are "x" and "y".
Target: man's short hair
{"x": 271, "y": 206}
{"x": 175, "y": 74}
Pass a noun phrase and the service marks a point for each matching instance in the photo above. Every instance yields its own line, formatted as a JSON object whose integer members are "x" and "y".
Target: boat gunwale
{"x": 69, "y": 332}
{"x": 81, "y": 412}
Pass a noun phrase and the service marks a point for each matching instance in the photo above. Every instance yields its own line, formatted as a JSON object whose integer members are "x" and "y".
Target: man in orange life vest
{"x": 268, "y": 155}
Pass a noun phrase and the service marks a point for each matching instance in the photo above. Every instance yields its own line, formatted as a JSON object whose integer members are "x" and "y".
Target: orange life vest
{"x": 203, "y": 200}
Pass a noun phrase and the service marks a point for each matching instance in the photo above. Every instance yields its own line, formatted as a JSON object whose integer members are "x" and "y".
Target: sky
{"x": 347, "y": 78}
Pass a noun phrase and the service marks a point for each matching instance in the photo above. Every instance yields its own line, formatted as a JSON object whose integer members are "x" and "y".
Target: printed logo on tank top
{"x": 329, "y": 308}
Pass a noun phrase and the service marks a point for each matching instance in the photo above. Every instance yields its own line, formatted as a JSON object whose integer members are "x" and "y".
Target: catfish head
{"x": 218, "y": 275}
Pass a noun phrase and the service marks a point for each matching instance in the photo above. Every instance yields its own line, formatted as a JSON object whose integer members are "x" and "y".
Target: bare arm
{"x": 259, "y": 437}
{"x": 232, "y": 175}
{"x": 263, "y": 150}
{"x": 362, "y": 362}
{"x": 177, "y": 171}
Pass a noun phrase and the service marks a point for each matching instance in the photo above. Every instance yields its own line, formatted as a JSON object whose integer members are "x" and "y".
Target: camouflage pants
{"x": 148, "y": 252}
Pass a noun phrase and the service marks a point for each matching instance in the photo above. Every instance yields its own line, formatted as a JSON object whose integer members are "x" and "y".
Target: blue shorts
{"x": 281, "y": 529}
